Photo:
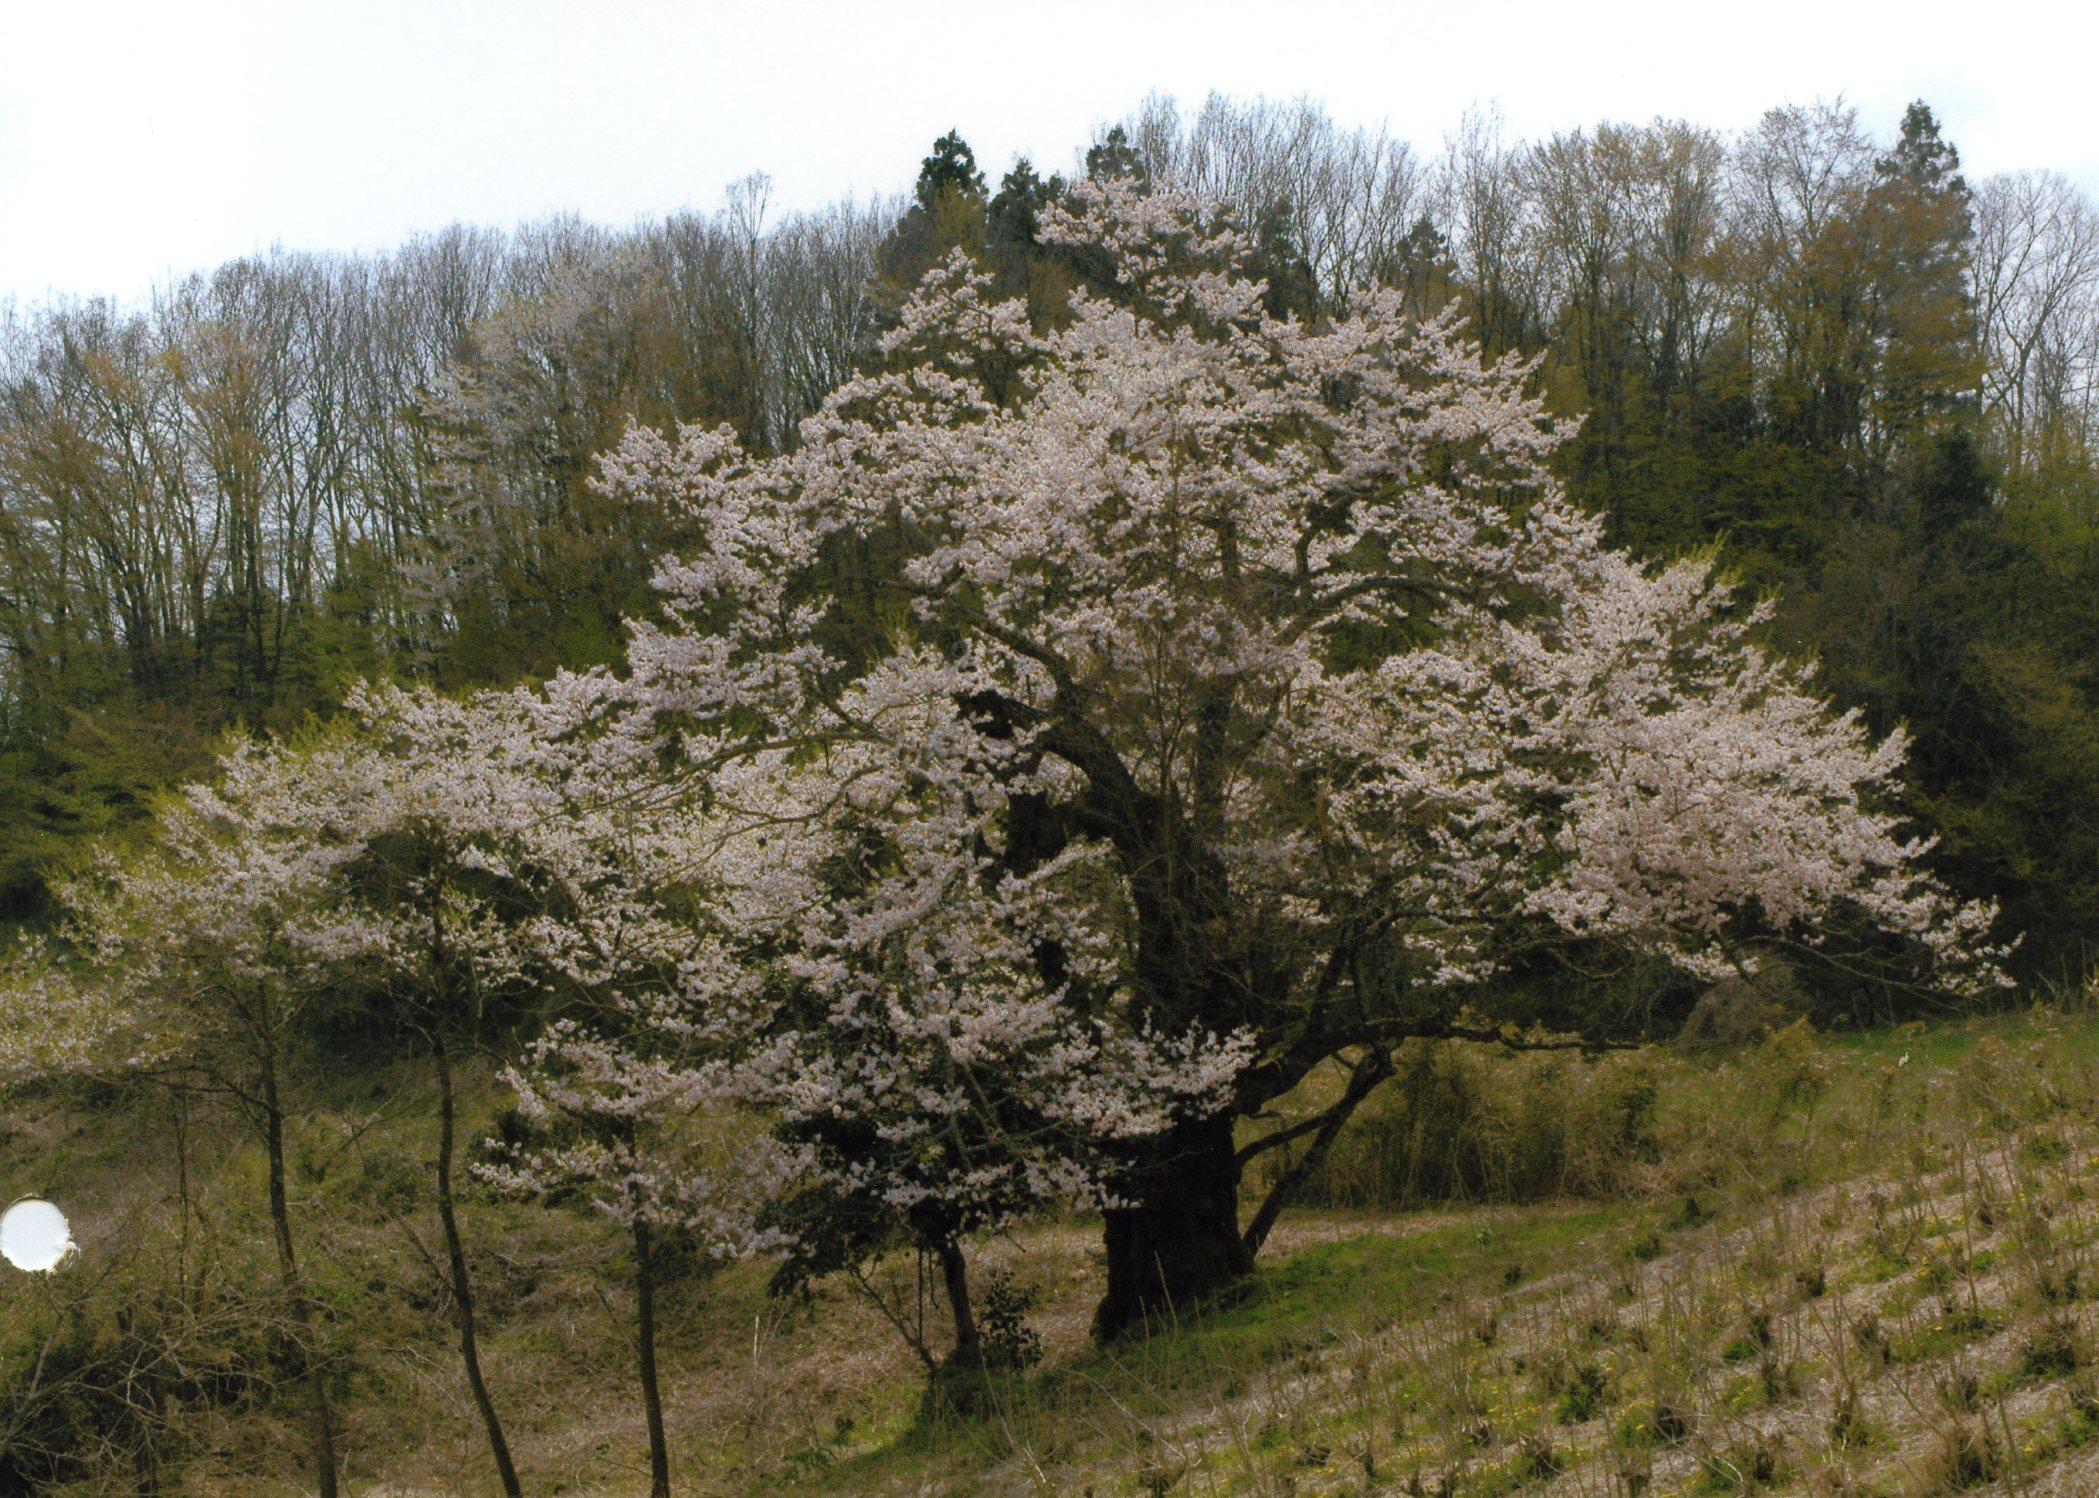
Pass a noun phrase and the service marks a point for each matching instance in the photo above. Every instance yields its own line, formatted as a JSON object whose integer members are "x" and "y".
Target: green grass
{"x": 1301, "y": 1309}
{"x": 1727, "y": 1278}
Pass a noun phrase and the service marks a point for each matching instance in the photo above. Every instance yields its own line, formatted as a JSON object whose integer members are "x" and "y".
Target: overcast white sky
{"x": 139, "y": 139}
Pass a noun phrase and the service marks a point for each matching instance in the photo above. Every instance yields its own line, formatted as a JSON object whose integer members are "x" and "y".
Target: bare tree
{"x": 2037, "y": 300}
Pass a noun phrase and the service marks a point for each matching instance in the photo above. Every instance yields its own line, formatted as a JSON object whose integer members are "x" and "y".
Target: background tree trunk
{"x": 462, "y": 1283}
{"x": 295, "y": 1290}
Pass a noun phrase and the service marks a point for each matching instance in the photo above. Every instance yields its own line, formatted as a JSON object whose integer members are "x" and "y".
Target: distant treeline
{"x": 1873, "y": 383}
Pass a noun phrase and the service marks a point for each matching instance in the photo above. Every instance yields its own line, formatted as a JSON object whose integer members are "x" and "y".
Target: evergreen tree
{"x": 1114, "y": 158}
{"x": 1421, "y": 265}
{"x": 1919, "y": 223}
{"x": 947, "y": 212}
{"x": 1015, "y": 215}
{"x": 1022, "y": 264}
{"x": 951, "y": 171}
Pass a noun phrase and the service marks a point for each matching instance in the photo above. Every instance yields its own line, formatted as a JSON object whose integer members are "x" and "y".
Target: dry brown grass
{"x": 1885, "y": 1289}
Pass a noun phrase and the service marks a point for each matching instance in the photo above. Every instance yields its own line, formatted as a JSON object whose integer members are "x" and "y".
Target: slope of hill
{"x": 1860, "y": 1265}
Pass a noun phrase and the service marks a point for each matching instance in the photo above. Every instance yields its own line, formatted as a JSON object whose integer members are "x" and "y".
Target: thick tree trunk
{"x": 295, "y": 1291}
{"x": 651, "y": 1392}
{"x": 462, "y": 1282}
{"x": 1179, "y": 1241}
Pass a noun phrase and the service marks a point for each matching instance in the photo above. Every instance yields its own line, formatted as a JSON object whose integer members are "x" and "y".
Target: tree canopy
{"x": 1237, "y": 683}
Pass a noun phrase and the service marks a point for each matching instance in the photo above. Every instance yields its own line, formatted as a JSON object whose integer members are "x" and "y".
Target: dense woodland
{"x": 1873, "y": 383}
{"x": 1064, "y": 669}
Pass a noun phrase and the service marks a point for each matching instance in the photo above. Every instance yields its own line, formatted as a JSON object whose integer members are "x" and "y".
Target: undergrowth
{"x": 1854, "y": 1265}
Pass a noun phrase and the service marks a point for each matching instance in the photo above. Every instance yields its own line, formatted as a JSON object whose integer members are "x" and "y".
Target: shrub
{"x": 1009, "y": 1342}
{"x": 1468, "y": 1122}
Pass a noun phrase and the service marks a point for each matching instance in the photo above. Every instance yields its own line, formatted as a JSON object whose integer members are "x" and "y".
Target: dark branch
{"x": 1374, "y": 1067}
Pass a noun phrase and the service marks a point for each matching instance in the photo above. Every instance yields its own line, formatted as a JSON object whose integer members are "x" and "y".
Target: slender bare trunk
{"x": 462, "y": 1283}
{"x": 182, "y": 1194}
{"x": 295, "y": 1289}
{"x": 651, "y": 1393}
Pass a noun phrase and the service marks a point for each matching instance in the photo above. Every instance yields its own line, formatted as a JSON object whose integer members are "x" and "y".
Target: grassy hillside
{"x": 1859, "y": 1265}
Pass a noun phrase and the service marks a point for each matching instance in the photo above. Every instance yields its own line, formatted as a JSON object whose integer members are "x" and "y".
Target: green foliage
{"x": 1002, "y": 1310}
{"x": 1582, "y": 1395}
{"x": 116, "y": 1381}
{"x": 950, "y": 171}
{"x": 1113, "y": 157}
{"x": 948, "y": 212}
{"x": 1457, "y": 1122}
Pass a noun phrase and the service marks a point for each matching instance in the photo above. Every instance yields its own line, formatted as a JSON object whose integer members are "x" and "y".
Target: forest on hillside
{"x": 1869, "y": 380}
{"x": 823, "y": 739}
